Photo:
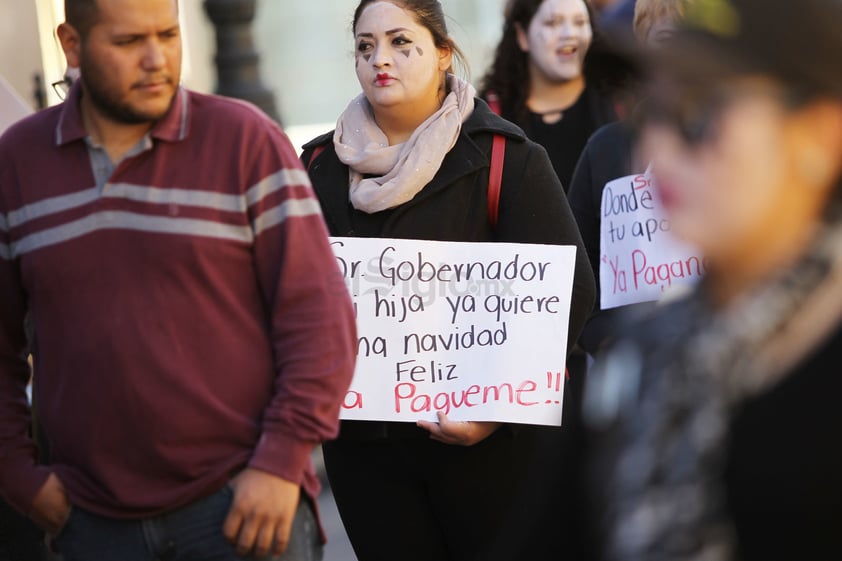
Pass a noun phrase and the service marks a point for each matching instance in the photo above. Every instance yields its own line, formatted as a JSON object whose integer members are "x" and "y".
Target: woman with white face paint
{"x": 410, "y": 159}
{"x": 545, "y": 77}
{"x": 551, "y": 76}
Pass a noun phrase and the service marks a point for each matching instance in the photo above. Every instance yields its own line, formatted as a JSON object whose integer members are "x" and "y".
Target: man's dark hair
{"x": 81, "y": 14}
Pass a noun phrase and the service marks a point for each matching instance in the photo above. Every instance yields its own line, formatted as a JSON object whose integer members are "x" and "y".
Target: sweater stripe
{"x": 275, "y": 182}
{"x": 157, "y": 195}
{"x": 49, "y": 206}
{"x": 288, "y": 209}
{"x": 167, "y": 196}
{"x": 119, "y": 220}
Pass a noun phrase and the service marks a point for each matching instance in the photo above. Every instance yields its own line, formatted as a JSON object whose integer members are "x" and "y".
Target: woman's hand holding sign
{"x": 460, "y": 433}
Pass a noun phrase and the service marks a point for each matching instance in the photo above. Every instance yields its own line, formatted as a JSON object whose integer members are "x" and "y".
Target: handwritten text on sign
{"x": 640, "y": 258}
{"x": 476, "y": 330}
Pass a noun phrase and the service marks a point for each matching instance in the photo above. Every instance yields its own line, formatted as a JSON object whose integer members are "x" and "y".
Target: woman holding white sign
{"x": 723, "y": 408}
{"x": 410, "y": 158}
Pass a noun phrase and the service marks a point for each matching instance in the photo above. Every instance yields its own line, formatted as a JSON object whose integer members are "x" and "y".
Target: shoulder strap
{"x": 498, "y": 153}
{"x": 493, "y": 101}
{"x": 316, "y": 151}
{"x": 495, "y": 177}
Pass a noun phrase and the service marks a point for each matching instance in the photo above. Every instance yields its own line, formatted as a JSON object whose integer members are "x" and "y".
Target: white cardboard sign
{"x": 476, "y": 330}
{"x": 640, "y": 258}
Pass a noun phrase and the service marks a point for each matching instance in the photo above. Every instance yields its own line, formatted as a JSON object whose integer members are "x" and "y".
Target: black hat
{"x": 798, "y": 42}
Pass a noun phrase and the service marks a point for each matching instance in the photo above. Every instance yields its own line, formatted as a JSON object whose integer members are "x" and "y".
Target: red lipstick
{"x": 667, "y": 194}
{"x": 383, "y": 79}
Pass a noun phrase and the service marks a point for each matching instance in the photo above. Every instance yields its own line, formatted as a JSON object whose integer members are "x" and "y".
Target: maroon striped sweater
{"x": 189, "y": 316}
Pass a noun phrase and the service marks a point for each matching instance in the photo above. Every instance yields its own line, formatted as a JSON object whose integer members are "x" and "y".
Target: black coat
{"x": 454, "y": 205}
{"x": 606, "y": 157}
{"x": 783, "y": 476}
{"x": 782, "y": 472}
{"x": 528, "y": 467}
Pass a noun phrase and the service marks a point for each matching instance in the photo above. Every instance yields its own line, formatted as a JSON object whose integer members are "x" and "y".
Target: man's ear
{"x": 71, "y": 43}
{"x": 522, "y": 38}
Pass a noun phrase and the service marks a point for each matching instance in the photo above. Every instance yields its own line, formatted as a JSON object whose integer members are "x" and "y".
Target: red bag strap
{"x": 498, "y": 153}
{"x": 316, "y": 151}
{"x": 493, "y": 101}
{"x": 495, "y": 177}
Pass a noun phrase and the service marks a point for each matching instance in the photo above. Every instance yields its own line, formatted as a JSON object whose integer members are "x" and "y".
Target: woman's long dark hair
{"x": 508, "y": 75}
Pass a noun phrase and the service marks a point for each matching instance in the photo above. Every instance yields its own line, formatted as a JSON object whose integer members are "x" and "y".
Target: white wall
{"x": 198, "y": 71}
{"x": 306, "y": 49}
{"x": 20, "y": 49}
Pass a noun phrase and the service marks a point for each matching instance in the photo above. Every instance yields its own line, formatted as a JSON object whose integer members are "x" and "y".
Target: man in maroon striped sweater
{"x": 193, "y": 336}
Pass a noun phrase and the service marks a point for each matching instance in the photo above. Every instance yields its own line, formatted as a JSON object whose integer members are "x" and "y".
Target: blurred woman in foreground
{"x": 721, "y": 413}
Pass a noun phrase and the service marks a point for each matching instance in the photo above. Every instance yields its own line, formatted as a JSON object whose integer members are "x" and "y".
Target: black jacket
{"x": 782, "y": 474}
{"x": 454, "y": 205}
{"x": 606, "y": 157}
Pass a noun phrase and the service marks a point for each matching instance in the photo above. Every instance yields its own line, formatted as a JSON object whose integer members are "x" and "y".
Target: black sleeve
{"x": 585, "y": 207}
{"x": 305, "y": 157}
{"x": 534, "y": 209}
{"x": 605, "y": 157}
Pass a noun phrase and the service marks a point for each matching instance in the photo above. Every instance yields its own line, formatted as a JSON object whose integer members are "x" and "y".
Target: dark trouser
{"x": 420, "y": 500}
{"x": 513, "y": 497}
{"x": 192, "y": 533}
{"x": 20, "y": 539}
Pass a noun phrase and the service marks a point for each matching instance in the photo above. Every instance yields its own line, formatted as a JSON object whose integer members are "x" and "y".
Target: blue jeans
{"x": 191, "y": 533}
